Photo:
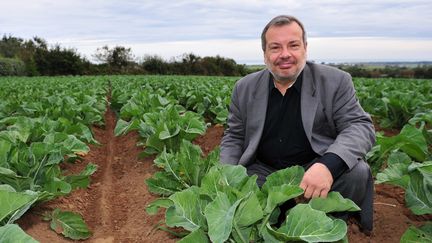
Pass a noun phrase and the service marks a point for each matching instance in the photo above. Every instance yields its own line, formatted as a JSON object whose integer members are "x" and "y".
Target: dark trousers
{"x": 355, "y": 184}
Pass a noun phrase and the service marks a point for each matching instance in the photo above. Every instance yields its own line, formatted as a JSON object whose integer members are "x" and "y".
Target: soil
{"x": 114, "y": 204}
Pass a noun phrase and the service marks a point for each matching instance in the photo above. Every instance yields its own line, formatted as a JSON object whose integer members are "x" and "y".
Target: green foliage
{"x": 195, "y": 236}
{"x": 414, "y": 235}
{"x": 396, "y": 172}
{"x": 79, "y": 100}
{"x": 118, "y": 58}
{"x": 43, "y": 123}
{"x": 304, "y": 223}
{"x": 31, "y": 150}
{"x": 229, "y": 206}
{"x": 390, "y": 70}
{"x": 10, "y": 46}
{"x": 393, "y": 102}
{"x": 33, "y": 57}
{"x": 11, "y": 67}
{"x": 14, "y": 204}
{"x": 155, "y": 65}
{"x": 58, "y": 61}
{"x": 12, "y": 233}
{"x": 191, "y": 64}
{"x": 418, "y": 195}
{"x": 282, "y": 186}
{"x": 167, "y": 128}
{"x": 220, "y": 215}
{"x": 46, "y": 123}
{"x": 423, "y": 121}
{"x": 137, "y": 95}
{"x": 409, "y": 166}
{"x": 334, "y": 202}
{"x": 82, "y": 180}
{"x": 410, "y": 141}
{"x": 69, "y": 224}
{"x": 36, "y": 167}
{"x": 164, "y": 129}
{"x": 181, "y": 169}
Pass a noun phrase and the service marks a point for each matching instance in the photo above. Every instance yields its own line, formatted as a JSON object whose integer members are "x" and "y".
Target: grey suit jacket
{"x": 332, "y": 117}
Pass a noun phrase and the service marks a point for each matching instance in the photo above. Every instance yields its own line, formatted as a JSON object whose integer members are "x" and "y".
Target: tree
{"x": 11, "y": 67}
{"x": 118, "y": 58}
{"x": 58, "y": 61}
{"x": 65, "y": 61}
{"x": 27, "y": 55}
{"x": 191, "y": 63}
{"x": 10, "y": 46}
{"x": 155, "y": 65}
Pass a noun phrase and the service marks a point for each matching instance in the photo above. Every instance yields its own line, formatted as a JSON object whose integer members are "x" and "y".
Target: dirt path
{"x": 106, "y": 190}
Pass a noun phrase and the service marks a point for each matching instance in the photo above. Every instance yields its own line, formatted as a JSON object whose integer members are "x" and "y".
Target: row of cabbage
{"x": 399, "y": 104}
{"x": 207, "y": 96}
{"x": 210, "y": 201}
{"x": 391, "y": 102}
{"x": 404, "y": 160}
{"x": 168, "y": 111}
{"x": 45, "y": 122}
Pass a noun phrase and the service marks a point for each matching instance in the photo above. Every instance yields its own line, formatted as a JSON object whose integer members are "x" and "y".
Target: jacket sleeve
{"x": 233, "y": 140}
{"x": 354, "y": 127}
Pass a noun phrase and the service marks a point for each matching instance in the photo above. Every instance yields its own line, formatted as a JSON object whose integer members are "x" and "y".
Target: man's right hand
{"x": 317, "y": 181}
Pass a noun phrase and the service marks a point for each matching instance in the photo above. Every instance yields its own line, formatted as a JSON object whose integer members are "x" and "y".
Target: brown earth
{"x": 114, "y": 204}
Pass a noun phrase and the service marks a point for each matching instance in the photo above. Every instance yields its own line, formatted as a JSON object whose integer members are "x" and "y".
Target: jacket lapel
{"x": 256, "y": 112}
{"x": 257, "y": 107}
{"x": 309, "y": 100}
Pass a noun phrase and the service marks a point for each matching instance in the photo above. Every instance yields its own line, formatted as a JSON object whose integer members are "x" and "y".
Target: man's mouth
{"x": 285, "y": 64}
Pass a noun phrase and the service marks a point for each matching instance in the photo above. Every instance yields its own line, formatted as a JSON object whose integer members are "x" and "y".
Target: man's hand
{"x": 316, "y": 181}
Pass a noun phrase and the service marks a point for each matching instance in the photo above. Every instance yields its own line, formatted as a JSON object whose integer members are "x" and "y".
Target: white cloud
{"x": 370, "y": 49}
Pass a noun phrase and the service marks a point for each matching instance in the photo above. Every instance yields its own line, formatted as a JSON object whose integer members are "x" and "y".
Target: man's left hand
{"x": 316, "y": 181}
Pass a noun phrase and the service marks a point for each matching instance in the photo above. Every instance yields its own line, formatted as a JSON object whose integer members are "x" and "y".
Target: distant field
{"x": 253, "y": 68}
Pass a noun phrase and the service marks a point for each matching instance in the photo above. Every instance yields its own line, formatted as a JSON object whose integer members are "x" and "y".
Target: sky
{"x": 337, "y": 31}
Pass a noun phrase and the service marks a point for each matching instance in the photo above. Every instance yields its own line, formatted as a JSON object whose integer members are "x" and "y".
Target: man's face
{"x": 285, "y": 52}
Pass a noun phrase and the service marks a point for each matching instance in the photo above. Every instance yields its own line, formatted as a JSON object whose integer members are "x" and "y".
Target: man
{"x": 300, "y": 113}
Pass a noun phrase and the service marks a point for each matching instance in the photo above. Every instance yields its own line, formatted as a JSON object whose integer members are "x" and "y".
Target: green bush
{"x": 12, "y": 67}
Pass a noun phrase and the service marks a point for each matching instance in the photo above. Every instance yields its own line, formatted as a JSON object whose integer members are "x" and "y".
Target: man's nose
{"x": 286, "y": 53}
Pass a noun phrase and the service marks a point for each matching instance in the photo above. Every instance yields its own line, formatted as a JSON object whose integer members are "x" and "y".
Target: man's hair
{"x": 280, "y": 21}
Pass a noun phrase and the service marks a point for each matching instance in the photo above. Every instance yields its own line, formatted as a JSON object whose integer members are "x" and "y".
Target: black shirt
{"x": 284, "y": 142}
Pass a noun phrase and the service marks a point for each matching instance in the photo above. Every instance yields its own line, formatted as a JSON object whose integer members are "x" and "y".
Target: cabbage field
{"x": 135, "y": 159}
